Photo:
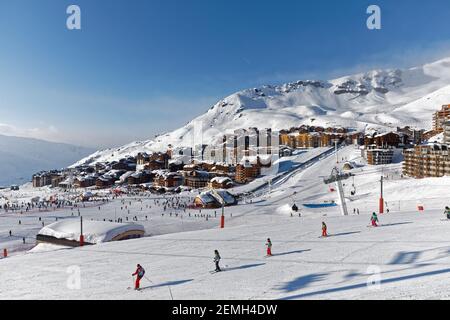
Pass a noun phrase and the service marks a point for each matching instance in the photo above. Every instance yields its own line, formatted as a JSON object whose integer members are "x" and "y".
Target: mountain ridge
{"x": 21, "y": 157}
{"x": 379, "y": 99}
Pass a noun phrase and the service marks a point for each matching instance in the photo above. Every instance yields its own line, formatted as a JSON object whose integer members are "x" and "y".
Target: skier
{"x": 374, "y": 220}
{"x": 447, "y": 212}
{"x": 139, "y": 273}
{"x": 324, "y": 230}
{"x": 269, "y": 247}
{"x": 217, "y": 260}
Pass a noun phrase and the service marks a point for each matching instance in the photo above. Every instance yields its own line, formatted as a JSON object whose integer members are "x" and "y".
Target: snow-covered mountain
{"x": 379, "y": 99}
{"x": 20, "y": 158}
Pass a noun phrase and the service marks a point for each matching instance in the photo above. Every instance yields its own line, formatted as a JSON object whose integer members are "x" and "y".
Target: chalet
{"x": 155, "y": 165}
{"x": 246, "y": 172}
{"x": 409, "y": 136}
{"x": 66, "y": 184}
{"x": 207, "y": 201}
{"x": 175, "y": 165}
{"x": 85, "y": 182}
{"x": 191, "y": 167}
{"x": 161, "y": 158}
{"x": 154, "y": 161}
{"x": 355, "y": 138}
{"x": 142, "y": 158}
{"x": 123, "y": 164}
{"x": 220, "y": 183}
{"x": 83, "y": 168}
{"x": 196, "y": 179}
{"x": 57, "y": 179}
{"x": 389, "y": 139}
{"x": 100, "y": 167}
{"x": 221, "y": 168}
{"x": 164, "y": 179}
{"x": 104, "y": 181}
{"x": 214, "y": 199}
{"x": 140, "y": 177}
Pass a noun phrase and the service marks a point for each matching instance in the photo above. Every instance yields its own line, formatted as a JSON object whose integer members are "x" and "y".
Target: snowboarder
{"x": 447, "y": 212}
{"x": 269, "y": 247}
{"x": 217, "y": 260}
{"x": 374, "y": 220}
{"x": 324, "y": 230}
{"x": 139, "y": 273}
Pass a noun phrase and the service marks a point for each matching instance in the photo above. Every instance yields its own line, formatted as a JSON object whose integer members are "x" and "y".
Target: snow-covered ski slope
{"x": 148, "y": 214}
{"x": 409, "y": 253}
{"x": 378, "y": 99}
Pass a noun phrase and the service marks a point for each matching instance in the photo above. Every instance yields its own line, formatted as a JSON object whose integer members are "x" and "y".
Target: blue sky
{"x": 142, "y": 67}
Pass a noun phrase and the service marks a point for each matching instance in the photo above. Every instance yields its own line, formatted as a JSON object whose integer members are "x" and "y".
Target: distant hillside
{"x": 21, "y": 157}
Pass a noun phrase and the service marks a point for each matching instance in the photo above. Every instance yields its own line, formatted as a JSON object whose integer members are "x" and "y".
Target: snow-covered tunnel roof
{"x": 93, "y": 231}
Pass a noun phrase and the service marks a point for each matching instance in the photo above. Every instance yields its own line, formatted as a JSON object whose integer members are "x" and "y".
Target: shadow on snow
{"x": 166, "y": 284}
{"x": 247, "y": 266}
{"x": 317, "y": 277}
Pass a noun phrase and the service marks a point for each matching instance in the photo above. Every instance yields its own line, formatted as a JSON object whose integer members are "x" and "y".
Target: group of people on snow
{"x": 139, "y": 273}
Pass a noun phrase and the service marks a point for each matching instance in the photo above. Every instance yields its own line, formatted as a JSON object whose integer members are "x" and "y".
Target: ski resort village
{"x": 309, "y": 190}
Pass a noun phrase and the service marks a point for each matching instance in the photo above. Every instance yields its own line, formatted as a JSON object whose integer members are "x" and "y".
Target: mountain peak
{"x": 377, "y": 99}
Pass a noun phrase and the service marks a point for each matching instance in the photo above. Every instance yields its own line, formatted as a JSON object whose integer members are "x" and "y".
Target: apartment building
{"x": 431, "y": 160}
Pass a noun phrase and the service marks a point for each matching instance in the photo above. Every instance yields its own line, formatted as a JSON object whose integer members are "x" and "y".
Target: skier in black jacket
{"x": 217, "y": 260}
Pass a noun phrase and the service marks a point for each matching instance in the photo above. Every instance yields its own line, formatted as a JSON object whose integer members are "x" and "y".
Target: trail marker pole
{"x": 81, "y": 232}
{"x": 222, "y": 218}
{"x": 381, "y": 196}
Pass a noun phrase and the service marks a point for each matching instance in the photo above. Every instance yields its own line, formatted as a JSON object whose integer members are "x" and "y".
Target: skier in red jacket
{"x": 140, "y": 274}
{"x": 269, "y": 247}
{"x": 324, "y": 230}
